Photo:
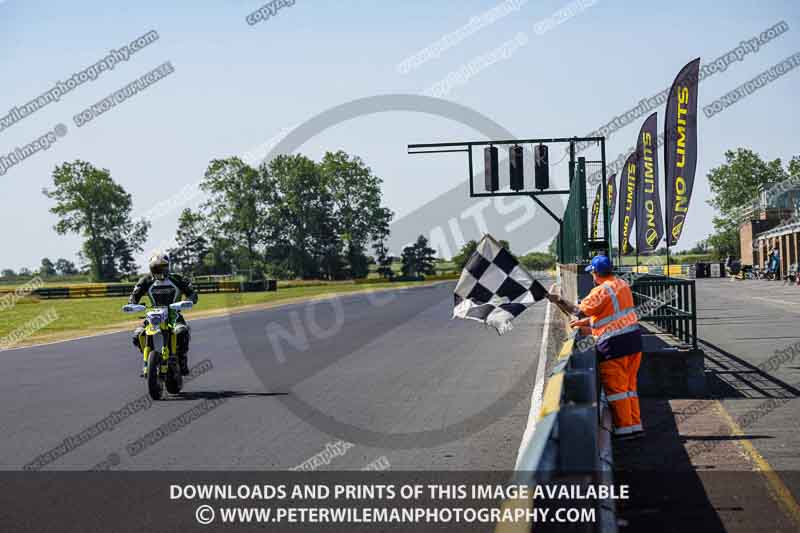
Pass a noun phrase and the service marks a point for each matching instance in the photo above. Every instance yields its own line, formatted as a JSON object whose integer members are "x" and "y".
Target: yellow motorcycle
{"x": 161, "y": 366}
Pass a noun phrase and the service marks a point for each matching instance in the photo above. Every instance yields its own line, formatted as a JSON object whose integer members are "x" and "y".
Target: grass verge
{"x": 88, "y": 316}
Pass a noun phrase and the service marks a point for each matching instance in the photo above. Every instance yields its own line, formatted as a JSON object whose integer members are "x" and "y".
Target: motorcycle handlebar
{"x": 138, "y": 308}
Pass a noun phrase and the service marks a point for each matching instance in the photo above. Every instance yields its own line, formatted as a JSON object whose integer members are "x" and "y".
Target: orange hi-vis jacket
{"x": 613, "y": 319}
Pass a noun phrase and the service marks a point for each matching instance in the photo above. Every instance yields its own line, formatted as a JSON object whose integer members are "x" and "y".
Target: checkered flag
{"x": 494, "y": 288}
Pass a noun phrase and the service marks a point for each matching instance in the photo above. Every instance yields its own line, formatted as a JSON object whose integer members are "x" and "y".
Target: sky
{"x": 235, "y": 87}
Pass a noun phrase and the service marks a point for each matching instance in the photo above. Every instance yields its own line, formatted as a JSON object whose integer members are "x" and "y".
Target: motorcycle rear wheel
{"x": 174, "y": 379}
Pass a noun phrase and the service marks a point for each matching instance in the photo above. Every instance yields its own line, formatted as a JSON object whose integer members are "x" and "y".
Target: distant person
{"x": 732, "y": 267}
{"x": 609, "y": 311}
{"x": 774, "y": 261}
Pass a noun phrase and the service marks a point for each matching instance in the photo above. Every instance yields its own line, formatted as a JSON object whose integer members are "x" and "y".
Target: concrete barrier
{"x": 572, "y": 439}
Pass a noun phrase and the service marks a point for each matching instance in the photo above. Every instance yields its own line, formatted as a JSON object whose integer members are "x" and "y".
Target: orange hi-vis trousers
{"x": 619, "y": 381}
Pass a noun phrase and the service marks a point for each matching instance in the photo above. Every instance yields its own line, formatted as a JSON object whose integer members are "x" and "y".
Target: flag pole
{"x": 666, "y": 236}
{"x": 666, "y": 228}
{"x": 667, "y": 257}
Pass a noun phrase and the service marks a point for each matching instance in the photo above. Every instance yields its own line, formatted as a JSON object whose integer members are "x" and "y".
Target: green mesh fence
{"x": 573, "y": 234}
{"x": 575, "y": 244}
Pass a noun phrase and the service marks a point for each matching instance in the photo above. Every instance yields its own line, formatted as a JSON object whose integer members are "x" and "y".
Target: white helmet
{"x": 159, "y": 265}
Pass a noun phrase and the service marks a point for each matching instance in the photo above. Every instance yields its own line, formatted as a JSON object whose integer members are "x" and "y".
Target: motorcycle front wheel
{"x": 154, "y": 384}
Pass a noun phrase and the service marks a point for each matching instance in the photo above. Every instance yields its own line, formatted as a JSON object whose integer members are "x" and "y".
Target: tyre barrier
{"x": 122, "y": 289}
{"x": 572, "y": 440}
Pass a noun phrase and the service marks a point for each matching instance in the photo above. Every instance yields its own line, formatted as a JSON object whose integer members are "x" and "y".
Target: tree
{"x": 552, "y": 248}
{"x": 357, "y": 261}
{"x": 538, "y": 261}
{"x": 725, "y": 239}
{"x": 47, "y": 269}
{"x": 381, "y": 232}
{"x": 301, "y": 229}
{"x": 357, "y": 211}
{"x": 700, "y": 248}
{"x": 8, "y": 273}
{"x": 192, "y": 246}
{"x": 466, "y": 252}
{"x": 236, "y": 206}
{"x": 91, "y": 204}
{"x": 737, "y": 182}
{"x": 25, "y": 272}
{"x": 123, "y": 249}
{"x": 291, "y": 216}
{"x": 794, "y": 168}
{"x": 126, "y": 264}
{"x": 222, "y": 254}
{"x": 418, "y": 259}
{"x": 66, "y": 268}
{"x": 470, "y": 248}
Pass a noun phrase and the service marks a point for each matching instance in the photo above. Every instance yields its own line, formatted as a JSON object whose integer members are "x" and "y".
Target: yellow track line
{"x": 551, "y": 402}
{"x": 778, "y": 489}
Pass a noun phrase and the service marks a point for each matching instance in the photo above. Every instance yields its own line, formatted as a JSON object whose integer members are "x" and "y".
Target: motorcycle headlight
{"x": 156, "y": 318}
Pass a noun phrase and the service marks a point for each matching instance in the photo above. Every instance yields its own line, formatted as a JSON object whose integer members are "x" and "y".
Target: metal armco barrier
{"x": 572, "y": 440}
{"x": 118, "y": 290}
{"x": 678, "y": 314}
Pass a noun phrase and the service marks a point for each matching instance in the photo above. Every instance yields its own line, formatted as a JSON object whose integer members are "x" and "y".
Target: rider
{"x": 164, "y": 288}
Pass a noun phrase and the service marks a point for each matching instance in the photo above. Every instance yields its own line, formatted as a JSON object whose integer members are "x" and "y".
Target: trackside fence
{"x": 117, "y": 289}
{"x": 677, "y": 315}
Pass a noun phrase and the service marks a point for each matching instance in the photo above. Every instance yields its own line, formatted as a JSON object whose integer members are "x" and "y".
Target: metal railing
{"x": 677, "y": 312}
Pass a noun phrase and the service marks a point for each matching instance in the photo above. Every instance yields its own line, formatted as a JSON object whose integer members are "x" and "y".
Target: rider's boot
{"x": 182, "y": 330}
{"x": 137, "y": 344}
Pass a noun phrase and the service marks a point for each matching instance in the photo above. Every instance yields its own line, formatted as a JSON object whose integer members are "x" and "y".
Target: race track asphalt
{"x": 390, "y": 373}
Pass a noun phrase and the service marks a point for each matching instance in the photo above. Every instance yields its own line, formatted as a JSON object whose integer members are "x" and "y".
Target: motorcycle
{"x": 161, "y": 366}
{"x": 792, "y": 275}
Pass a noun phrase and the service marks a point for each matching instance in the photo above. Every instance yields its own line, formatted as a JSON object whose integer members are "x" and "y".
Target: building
{"x": 772, "y": 221}
{"x": 784, "y": 237}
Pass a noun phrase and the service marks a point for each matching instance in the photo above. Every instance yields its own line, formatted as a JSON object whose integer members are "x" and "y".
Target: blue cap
{"x": 600, "y": 264}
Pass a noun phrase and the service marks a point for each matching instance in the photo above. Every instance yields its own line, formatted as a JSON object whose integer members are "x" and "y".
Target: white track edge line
{"x": 538, "y": 389}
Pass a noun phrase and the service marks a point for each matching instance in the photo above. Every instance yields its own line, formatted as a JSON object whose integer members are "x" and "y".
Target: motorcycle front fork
{"x": 148, "y": 350}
